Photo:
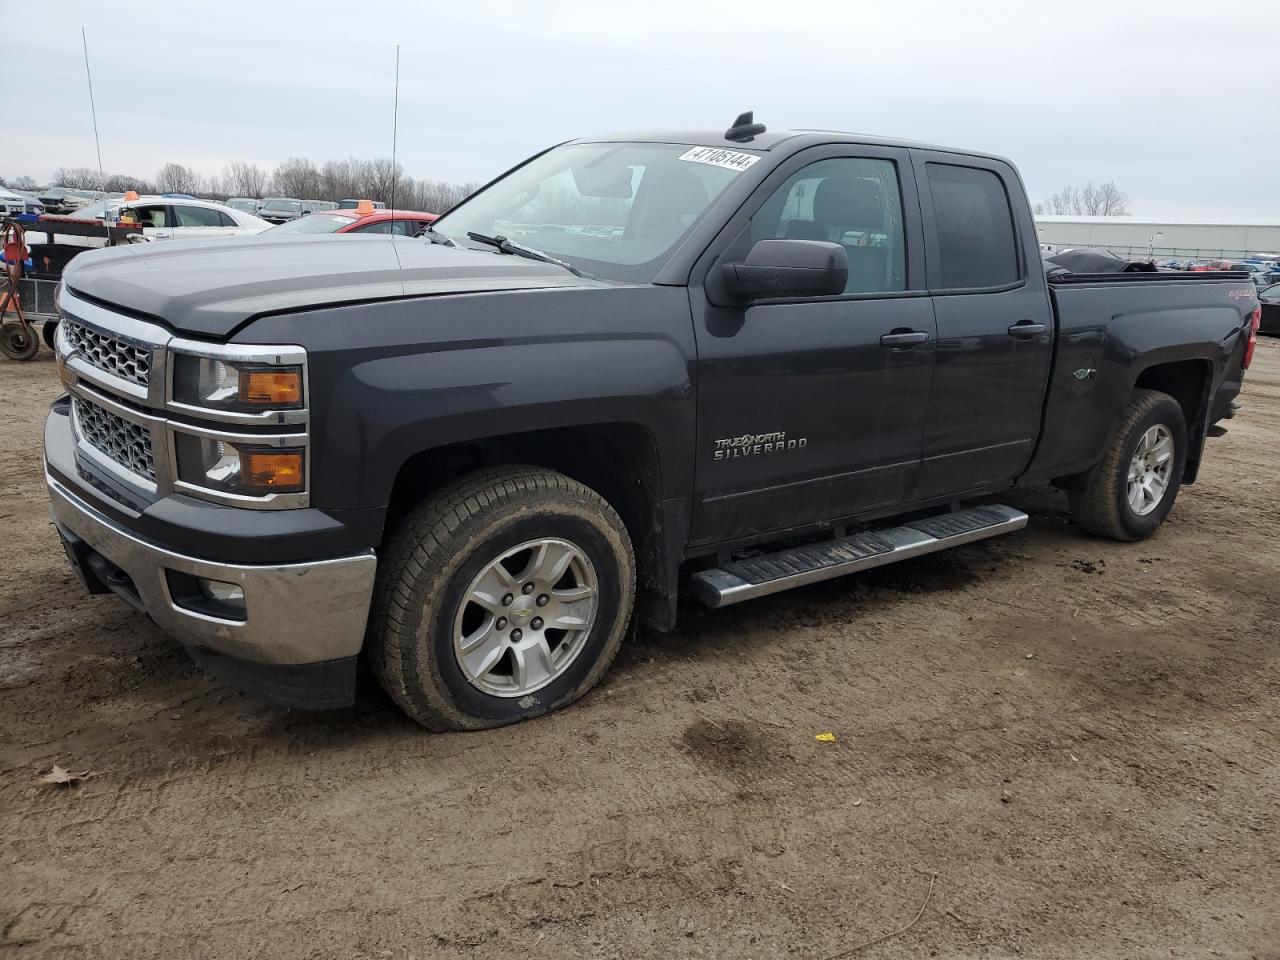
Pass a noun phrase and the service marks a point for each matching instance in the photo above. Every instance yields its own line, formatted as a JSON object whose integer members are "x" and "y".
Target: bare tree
{"x": 339, "y": 179}
{"x": 22, "y": 183}
{"x": 1106, "y": 200}
{"x": 376, "y": 179}
{"x": 119, "y": 183}
{"x": 175, "y": 178}
{"x": 245, "y": 179}
{"x": 77, "y": 178}
{"x": 297, "y": 177}
{"x": 437, "y": 197}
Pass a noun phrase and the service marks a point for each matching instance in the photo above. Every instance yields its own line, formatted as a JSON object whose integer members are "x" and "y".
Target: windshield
{"x": 613, "y": 210}
{"x": 292, "y": 206}
{"x": 95, "y": 211}
{"x": 313, "y": 223}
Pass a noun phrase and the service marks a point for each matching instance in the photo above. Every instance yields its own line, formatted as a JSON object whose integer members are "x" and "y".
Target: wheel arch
{"x": 1190, "y": 383}
{"x": 619, "y": 460}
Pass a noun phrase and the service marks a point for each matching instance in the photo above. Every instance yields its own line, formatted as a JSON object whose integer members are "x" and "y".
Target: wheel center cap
{"x": 522, "y": 609}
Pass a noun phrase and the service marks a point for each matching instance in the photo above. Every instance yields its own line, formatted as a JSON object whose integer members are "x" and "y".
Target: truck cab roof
{"x": 784, "y": 141}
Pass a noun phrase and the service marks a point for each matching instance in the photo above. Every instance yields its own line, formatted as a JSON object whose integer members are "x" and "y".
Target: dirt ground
{"x": 1069, "y": 747}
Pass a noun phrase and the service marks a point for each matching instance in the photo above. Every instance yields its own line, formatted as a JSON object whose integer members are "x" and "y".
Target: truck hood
{"x": 208, "y": 288}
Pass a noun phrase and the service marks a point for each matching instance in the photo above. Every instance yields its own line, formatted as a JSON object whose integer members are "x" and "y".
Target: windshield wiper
{"x": 510, "y": 246}
{"x": 431, "y": 234}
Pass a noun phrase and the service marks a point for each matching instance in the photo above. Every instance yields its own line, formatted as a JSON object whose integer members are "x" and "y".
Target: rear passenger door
{"x": 995, "y": 336}
{"x": 195, "y": 222}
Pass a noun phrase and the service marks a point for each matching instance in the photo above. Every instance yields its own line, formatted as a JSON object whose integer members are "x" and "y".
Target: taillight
{"x": 1255, "y": 321}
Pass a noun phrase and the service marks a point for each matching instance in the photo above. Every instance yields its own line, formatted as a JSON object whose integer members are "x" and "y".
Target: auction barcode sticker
{"x": 729, "y": 159}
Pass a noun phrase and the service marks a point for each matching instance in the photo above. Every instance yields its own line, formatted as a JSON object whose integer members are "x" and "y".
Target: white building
{"x": 1133, "y": 237}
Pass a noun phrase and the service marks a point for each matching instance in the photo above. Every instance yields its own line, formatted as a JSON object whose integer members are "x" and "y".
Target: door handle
{"x": 903, "y": 339}
{"x": 1025, "y": 330}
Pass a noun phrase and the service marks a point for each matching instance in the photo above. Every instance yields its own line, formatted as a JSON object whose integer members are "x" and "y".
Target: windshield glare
{"x": 291, "y": 205}
{"x": 313, "y": 223}
{"x": 614, "y": 210}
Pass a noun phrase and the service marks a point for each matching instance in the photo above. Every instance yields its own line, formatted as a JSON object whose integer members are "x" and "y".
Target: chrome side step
{"x": 775, "y": 572}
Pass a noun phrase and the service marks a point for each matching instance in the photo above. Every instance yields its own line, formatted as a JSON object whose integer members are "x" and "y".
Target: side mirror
{"x": 788, "y": 268}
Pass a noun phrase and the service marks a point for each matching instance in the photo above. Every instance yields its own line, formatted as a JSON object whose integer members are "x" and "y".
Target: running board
{"x": 775, "y": 572}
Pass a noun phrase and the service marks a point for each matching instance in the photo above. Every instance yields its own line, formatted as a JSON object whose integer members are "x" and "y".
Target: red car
{"x": 402, "y": 223}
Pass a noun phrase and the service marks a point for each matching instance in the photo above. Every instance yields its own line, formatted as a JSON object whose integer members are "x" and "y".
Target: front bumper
{"x": 303, "y": 623}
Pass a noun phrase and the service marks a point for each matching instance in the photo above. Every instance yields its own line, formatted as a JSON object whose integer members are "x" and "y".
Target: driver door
{"x": 805, "y": 414}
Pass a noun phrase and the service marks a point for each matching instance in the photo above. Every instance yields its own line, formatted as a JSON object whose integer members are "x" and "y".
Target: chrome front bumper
{"x": 295, "y": 613}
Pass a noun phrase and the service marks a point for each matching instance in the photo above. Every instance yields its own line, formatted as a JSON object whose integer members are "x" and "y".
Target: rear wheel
{"x": 502, "y": 597}
{"x": 1127, "y": 495}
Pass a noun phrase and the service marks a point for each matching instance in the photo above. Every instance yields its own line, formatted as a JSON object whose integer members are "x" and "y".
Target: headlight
{"x": 236, "y": 386}
{"x": 240, "y": 468}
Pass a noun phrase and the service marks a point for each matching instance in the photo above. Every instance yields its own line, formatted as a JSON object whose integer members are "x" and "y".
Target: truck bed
{"x": 1110, "y": 327}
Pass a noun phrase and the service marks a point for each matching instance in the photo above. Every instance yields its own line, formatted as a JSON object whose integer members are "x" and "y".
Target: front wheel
{"x": 1127, "y": 495}
{"x": 503, "y": 596}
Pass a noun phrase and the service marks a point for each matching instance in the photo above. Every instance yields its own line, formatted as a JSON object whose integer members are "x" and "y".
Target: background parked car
{"x": 244, "y": 204}
{"x": 11, "y": 204}
{"x": 404, "y": 223}
{"x": 1270, "y": 300}
{"x": 60, "y": 200}
{"x": 1257, "y": 271}
{"x": 167, "y": 219}
{"x": 280, "y": 209}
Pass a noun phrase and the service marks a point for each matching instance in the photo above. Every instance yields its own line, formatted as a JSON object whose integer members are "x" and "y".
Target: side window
{"x": 408, "y": 228}
{"x": 976, "y": 241}
{"x": 855, "y": 202}
{"x": 382, "y": 226}
{"x": 197, "y": 217}
{"x": 227, "y": 219}
{"x": 150, "y": 216}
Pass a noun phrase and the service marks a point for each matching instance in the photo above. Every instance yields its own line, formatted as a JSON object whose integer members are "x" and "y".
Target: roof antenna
{"x": 395, "y": 130}
{"x": 395, "y": 173}
{"x": 93, "y": 110}
{"x": 744, "y": 129}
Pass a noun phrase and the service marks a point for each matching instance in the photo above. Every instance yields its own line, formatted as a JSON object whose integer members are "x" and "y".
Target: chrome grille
{"x": 107, "y": 353}
{"x": 125, "y": 442}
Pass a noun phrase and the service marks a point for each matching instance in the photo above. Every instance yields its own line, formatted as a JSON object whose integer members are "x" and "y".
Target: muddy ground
{"x": 1076, "y": 742}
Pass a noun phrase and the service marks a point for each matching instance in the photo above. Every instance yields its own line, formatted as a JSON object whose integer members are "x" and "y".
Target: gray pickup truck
{"x": 634, "y": 368}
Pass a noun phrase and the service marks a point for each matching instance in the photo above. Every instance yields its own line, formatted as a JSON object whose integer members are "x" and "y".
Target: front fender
{"x": 391, "y": 380}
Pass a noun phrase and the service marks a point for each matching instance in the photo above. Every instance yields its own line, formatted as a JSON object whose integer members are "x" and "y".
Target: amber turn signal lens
{"x": 272, "y": 469}
{"x": 274, "y": 388}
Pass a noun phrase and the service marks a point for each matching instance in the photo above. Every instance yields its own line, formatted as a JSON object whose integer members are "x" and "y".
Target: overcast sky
{"x": 1174, "y": 100}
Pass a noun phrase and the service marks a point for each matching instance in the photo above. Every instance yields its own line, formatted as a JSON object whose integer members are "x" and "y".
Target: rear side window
{"x": 976, "y": 241}
{"x": 198, "y": 217}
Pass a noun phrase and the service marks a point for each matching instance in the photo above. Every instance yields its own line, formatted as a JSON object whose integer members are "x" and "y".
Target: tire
{"x": 18, "y": 341}
{"x": 48, "y": 331}
{"x": 445, "y": 553}
{"x": 1100, "y": 499}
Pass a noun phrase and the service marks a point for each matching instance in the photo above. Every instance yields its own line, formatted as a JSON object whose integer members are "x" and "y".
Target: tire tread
{"x": 1095, "y": 500}
{"x": 416, "y": 551}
